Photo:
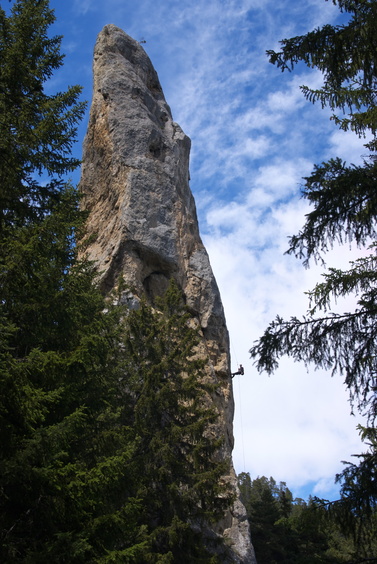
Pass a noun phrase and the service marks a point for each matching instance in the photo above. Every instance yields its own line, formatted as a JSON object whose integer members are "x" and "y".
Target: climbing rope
{"x": 240, "y": 405}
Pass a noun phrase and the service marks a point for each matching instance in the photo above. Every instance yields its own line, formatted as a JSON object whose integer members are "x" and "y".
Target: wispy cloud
{"x": 81, "y": 7}
{"x": 254, "y": 137}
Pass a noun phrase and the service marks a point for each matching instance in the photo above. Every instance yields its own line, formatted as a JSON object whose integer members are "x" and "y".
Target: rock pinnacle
{"x": 142, "y": 224}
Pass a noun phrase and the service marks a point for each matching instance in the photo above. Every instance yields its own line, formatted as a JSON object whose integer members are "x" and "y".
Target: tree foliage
{"x": 177, "y": 455}
{"x": 37, "y": 129}
{"x": 106, "y": 448}
{"x": 265, "y": 502}
{"x": 344, "y": 210}
{"x": 356, "y": 510}
{"x": 293, "y": 531}
{"x": 63, "y": 418}
{"x": 346, "y": 55}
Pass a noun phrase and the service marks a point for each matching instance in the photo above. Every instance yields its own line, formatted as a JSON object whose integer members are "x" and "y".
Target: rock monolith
{"x": 142, "y": 224}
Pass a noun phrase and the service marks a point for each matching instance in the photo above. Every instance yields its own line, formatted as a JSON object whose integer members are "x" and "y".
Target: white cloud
{"x": 298, "y": 424}
{"x": 254, "y": 136}
{"x": 282, "y": 178}
{"x": 347, "y": 146}
{"x": 295, "y": 426}
{"x": 82, "y": 7}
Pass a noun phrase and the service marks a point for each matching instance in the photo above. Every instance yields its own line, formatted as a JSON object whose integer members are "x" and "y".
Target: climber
{"x": 239, "y": 371}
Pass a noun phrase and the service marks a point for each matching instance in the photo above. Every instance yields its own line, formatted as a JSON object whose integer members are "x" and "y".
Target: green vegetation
{"x": 103, "y": 454}
{"x": 292, "y": 531}
{"x": 37, "y": 130}
{"x": 344, "y": 203}
{"x": 106, "y": 449}
{"x": 178, "y": 476}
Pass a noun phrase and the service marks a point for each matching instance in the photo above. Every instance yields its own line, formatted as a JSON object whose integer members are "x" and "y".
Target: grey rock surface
{"x": 142, "y": 223}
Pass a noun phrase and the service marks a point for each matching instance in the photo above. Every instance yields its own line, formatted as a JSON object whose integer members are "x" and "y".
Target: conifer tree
{"x": 65, "y": 436}
{"x": 106, "y": 452}
{"x": 344, "y": 203}
{"x": 177, "y": 457}
{"x": 64, "y": 420}
{"x": 37, "y": 129}
{"x": 301, "y": 532}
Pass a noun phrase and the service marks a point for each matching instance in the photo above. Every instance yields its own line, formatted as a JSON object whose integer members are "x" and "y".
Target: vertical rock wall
{"x": 142, "y": 222}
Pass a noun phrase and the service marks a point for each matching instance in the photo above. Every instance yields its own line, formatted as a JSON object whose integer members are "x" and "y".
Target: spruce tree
{"x": 37, "y": 129}
{"x": 298, "y": 532}
{"x": 344, "y": 210}
{"x": 64, "y": 419}
{"x": 106, "y": 451}
{"x": 177, "y": 457}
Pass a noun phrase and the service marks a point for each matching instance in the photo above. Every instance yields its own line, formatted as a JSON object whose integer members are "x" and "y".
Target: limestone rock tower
{"x": 142, "y": 219}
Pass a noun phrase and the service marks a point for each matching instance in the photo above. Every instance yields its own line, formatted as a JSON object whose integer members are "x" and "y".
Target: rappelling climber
{"x": 239, "y": 371}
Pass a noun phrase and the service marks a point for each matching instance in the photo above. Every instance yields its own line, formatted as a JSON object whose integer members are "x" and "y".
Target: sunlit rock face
{"x": 142, "y": 224}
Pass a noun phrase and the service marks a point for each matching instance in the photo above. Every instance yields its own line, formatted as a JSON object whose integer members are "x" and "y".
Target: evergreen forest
{"x": 103, "y": 455}
{"x": 291, "y": 530}
{"x": 343, "y": 211}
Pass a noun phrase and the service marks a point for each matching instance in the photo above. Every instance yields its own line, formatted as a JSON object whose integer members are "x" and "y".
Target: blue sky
{"x": 254, "y": 137}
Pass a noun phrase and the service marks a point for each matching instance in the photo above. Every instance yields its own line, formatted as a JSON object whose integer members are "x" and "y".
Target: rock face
{"x": 142, "y": 219}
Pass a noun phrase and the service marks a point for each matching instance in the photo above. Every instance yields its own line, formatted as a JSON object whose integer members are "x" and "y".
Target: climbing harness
{"x": 239, "y": 371}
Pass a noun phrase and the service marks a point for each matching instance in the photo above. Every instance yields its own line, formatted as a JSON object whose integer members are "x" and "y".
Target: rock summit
{"x": 142, "y": 224}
